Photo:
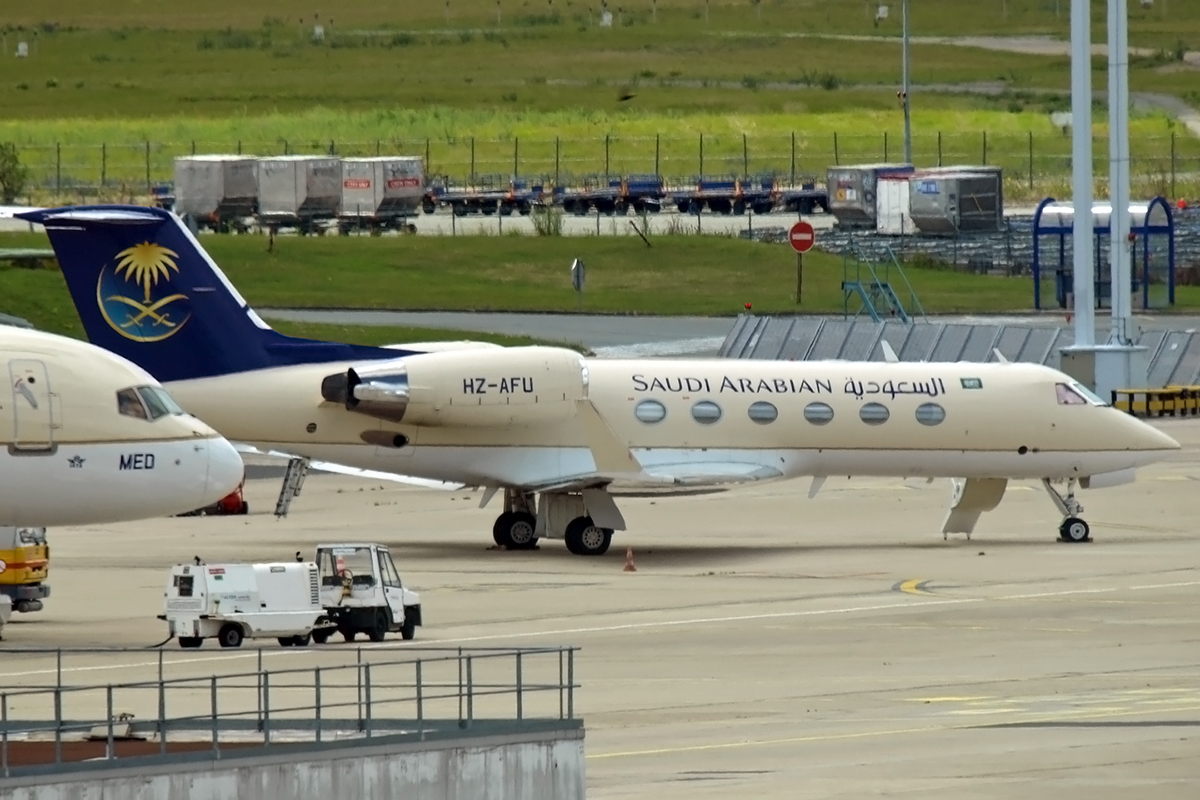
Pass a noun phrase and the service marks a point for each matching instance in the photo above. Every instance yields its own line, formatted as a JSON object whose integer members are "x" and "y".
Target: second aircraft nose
{"x": 225, "y": 471}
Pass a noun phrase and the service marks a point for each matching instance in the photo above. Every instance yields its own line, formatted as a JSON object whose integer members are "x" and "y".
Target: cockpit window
{"x": 129, "y": 405}
{"x": 1089, "y": 394}
{"x": 158, "y": 401}
{"x": 1067, "y": 396}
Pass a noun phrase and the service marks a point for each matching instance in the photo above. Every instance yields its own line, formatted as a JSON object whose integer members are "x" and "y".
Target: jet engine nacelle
{"x": 473, "y": 388}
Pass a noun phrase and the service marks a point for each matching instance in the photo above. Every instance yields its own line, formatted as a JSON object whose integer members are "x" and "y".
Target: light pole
{"x": 908, "y": 156}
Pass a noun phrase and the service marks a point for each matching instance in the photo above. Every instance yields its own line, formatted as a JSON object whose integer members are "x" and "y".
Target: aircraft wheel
{"x": 515, "y": 531}
{"x": 1074, "y": 530}
{"x": 190, "y": 641}
{"x": 230, "y": 635}
{"x": 585, "y": 538}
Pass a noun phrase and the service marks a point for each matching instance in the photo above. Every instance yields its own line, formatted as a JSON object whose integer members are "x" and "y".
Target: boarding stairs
{"x": 870, "y": 281}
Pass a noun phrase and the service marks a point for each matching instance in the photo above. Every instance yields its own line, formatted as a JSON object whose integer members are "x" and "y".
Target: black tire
{"x": 383, "y": 621}
{"x": 301, "y": 641}
{"x": 499, "y": 526}
{"x": 321, "y": 637}
{"x": 585, "y": 538}
{"x": 347, "y": 634}
{"x": 189, "y": 642}
{"x": 245, "y": 509}
{"x": 231, "y": 635}
{"x": 408, "y": 631}
{"x": 286, "y": 641}
{"x": 516, "y": 531}
{"x": 1074, "y": 530}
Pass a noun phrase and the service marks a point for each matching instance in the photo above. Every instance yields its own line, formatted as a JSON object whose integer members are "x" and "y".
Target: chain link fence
{"x": 1035, "y": 166}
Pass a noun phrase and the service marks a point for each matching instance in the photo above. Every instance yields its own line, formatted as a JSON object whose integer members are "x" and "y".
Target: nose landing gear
{"x": 1073, "y": 528}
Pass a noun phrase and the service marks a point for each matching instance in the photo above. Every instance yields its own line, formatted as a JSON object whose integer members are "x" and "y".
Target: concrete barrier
{"x": 546, "y": 764}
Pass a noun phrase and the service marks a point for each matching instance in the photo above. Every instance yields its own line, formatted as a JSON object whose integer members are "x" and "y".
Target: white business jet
{"x": 561, "y": 434}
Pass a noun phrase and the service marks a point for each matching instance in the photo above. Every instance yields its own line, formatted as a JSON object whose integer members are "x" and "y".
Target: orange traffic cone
{"x": 629, "y": 566}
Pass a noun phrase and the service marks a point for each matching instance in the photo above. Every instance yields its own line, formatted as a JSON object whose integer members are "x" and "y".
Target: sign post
{"x": 578, "y": 275}
{"x": 801, "y": 237}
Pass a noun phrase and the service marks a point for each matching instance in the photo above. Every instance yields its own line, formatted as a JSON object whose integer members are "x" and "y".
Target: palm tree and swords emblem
{"x": 148, "y": 319}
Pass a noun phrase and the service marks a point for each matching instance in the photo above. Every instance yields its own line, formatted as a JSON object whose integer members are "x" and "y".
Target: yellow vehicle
{"x": 24, "y": 563}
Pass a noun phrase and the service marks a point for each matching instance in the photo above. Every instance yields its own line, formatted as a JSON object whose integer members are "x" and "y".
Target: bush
{"x": 547, "y": 220}
{"x": 13, "y": 174}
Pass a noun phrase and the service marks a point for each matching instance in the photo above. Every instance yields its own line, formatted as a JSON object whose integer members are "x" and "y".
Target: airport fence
{"x": 1035, "y": 166}
{"x": 195, "y": 702}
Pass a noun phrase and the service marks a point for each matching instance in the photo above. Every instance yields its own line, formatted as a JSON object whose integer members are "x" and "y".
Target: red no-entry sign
{"x": 802, "y": 237}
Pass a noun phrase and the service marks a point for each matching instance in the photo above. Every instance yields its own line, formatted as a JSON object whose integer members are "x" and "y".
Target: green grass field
{"x": 677, "y": 275}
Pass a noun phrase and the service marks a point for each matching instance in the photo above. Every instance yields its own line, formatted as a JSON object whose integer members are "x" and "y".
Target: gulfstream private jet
{"x": 561, "y": 434}
{"x": 87, "y": 437}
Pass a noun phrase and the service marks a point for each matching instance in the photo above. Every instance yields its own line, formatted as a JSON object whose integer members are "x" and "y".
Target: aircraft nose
{"x": 225, "y": 471}
{"x": 1151, "y": 438}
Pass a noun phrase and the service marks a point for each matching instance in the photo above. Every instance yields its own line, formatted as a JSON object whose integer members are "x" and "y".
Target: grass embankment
{"x": 678, "y": 275}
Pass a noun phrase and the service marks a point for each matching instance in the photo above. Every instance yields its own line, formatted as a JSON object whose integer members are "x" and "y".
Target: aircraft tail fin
{"x": 147, "y": 290}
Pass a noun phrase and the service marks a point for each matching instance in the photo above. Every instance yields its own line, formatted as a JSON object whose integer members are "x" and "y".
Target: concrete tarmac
{"x": 767, "y": 645}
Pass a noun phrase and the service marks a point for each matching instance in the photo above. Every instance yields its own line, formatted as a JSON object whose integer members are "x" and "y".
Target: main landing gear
{"x": 563, "y": 516}
{"x": 1073, "y": 529}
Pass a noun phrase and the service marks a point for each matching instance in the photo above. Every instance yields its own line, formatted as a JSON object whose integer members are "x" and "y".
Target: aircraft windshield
{"x": 1089, "y": 394}
{"x": 130, "y": 405}
{"x": 1076, "y": 394}
{"x": 158, "y": 401}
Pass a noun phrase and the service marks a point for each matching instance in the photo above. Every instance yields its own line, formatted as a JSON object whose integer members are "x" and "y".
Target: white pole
{"x": 908, "y": 156}
{"x": 1081, "y": 172}
{"x": 1118, "y": 170}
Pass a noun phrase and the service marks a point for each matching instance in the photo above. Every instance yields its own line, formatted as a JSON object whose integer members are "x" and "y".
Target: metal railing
{"x": 383, "y": 691}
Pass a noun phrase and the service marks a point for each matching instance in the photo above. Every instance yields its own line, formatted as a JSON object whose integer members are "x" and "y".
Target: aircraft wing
{"x": 667, "y": 478}
{"x": 341, "y": 469}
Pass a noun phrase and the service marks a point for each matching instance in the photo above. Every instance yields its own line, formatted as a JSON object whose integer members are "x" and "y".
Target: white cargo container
{"x": 892, "y": 216}
{"x": 216, "y": 190}
{"x": 380, "y": 192}
{"x": 232, "y": 602}
{"x": 852, "y": 188}
{"x": 298, "y": 190}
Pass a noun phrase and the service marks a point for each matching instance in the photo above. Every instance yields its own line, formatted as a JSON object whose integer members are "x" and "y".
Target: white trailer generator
{"x": 361, "y": 592}
{"x": 232, "y": 602}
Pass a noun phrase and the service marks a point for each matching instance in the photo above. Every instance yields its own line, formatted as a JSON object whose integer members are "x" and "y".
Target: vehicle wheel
{"x": 1074, "y": 530}
{"x": 516, "y": 530}
{"x": 245, "y": 509}
{"x": 585, "y": 538}
{"x": 380, "y": 628}
{"x": 230, "y": 635}
{"x": 348, "y": 635}
{"x": 301, "y": 641}
{"x": 408, "y": 630}
{"x": 321, "y": 637}
{"x": 286, "y": 641}
{"x": 190, "y": 642}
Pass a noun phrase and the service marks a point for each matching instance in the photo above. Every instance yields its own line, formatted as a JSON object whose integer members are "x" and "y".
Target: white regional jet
{"x": 87, "y": 437}
{"x": 562, "y": 434}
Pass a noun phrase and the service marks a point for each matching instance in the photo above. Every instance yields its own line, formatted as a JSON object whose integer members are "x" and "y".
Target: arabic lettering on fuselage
{"x": 860, "y": 389}
{"x": 726, "y": 384}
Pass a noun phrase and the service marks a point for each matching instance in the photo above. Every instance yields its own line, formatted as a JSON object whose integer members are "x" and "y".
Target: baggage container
{"x": 298, "y": 190}
{"x": 216, "y": 190}
{"x": 852, "y": 191}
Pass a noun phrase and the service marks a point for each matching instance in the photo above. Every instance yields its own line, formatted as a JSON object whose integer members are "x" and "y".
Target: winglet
{"x": 999, "y": 356}
{"x": 608, "y": 451}
{"x": 888, "y": 353}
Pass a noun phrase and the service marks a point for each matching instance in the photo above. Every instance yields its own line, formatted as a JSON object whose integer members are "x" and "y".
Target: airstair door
{"x": 32, "y": 405}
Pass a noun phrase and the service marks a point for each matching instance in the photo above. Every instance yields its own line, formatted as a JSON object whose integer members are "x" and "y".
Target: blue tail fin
{"x": 146, "y": 290}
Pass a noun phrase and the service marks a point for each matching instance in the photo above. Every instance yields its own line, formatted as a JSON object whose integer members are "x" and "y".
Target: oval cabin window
{"x": 706, "y": 412}
{"x": 874, "y": 414}
{"x": 762, "y": 412}
{"x": 930, "y": 414}
{"x": 650, "y": 411}
{"x": 818, "y": 413}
